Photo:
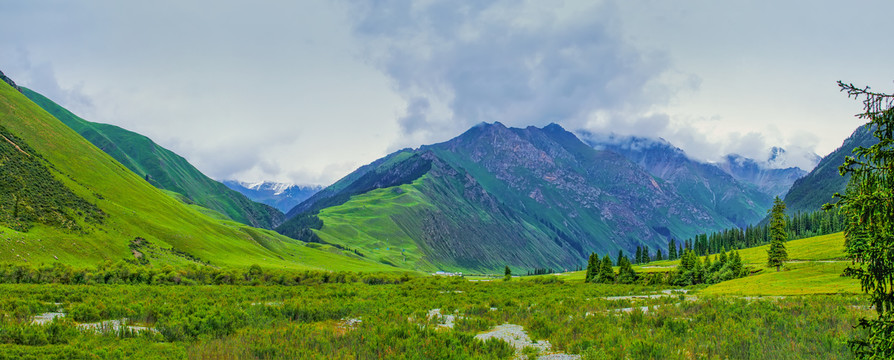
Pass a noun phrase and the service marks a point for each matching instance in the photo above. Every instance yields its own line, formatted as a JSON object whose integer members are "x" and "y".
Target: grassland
{"x": 366, "y": 224}
{"x": 815, "y": 267}
{"x": 819, "y": 248}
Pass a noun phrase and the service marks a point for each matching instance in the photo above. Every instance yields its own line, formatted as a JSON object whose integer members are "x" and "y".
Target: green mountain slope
{"x": 497, "y": 196}
{"x": 809, "y": 193}
{"x": 100, "y": 210}
{"x": 163, "y": 168}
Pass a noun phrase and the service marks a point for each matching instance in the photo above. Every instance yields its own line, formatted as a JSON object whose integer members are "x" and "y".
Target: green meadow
{"x": 418, "y": 318}
{"x": 815, "y": 267}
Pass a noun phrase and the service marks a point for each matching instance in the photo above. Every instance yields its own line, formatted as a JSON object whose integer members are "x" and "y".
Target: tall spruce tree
{"x": 736, "y": 264}
{"x": 639, "y": 255}
{"x": 626, "y": 274}
{"x": 868, "y": 208}
{"x": 592, "y": 268}
{"x": 690, "y": 270}
{"x": 507, "y": 274}
{"x": 777, "y": 255}
{"x": 672, "y": 249}
{"x": 606, "y": 274}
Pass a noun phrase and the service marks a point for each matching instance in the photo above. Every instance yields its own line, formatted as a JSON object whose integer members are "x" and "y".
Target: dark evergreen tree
{"x": 507, "y": 274}
{"x": 626, "y": 274}
{"x": 868, "y": 209}
{"x": 592, "y": 268}
{"x": 736, "y": 265}
{"x": 777, "y": 255}
{"x": 672, "y": 249}
{"x": 690, "y": 271}
{"x": 606, "y": 274}
{"x": 639, "y": 255}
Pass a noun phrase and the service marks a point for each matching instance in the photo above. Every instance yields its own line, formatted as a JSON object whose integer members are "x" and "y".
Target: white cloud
{"x": 276, "y": 91}
{"x": 519, "y": 64}
{"x": 305, "y": 92}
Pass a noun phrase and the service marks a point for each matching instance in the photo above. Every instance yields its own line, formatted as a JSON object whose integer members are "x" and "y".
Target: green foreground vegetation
{"x": 357, "y": 320}
{"x": 204, "y": 312}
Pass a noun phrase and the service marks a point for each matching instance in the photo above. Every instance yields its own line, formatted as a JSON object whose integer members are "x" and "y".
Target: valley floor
{"x": 424, "y": 318}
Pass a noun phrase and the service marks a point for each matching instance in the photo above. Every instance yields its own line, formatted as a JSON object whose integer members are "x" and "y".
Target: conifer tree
{"x": 606, "y": 274}
{"x": 592, "y": 268}
{"x": 626, "y": 274}
{"x": 639, "y": 255}
{"x": 646, "y": 256}
{"x": 722, "y": 257}
{"x": 507, "y": 274}
{"x": 868, "y": 209}
{"x": 672, "y": 249}
{"x": 736, "y": 264}
{"x": 690, "y": 270}
{"x": 777, "y": 255}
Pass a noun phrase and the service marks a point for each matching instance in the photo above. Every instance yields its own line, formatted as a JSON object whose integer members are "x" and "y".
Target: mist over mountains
{"x": 283, "y": 196}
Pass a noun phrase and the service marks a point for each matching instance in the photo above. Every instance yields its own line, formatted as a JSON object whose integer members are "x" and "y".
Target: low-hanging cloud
{"x": 460, "y": 64}
{"x": 42, "y": 75}
{"x": 255, "y": 92}
{"x": 456, "y": 65}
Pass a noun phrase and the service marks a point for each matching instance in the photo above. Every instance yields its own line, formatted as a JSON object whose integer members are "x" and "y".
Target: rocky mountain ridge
{"x": 548, "y": 196}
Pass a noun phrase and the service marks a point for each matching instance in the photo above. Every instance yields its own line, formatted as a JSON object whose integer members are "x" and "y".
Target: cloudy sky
{"x": 306, "y": 91}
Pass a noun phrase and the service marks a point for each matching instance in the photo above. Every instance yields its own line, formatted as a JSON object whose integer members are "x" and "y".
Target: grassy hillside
{"x": 797, "y": 279}
{"x": 367, "y": 222}
{"x": 401, "y": 225}
{"x": 815, "y": 267}
{"x": 133, "y": 208}
{"x": 163, "y": 168}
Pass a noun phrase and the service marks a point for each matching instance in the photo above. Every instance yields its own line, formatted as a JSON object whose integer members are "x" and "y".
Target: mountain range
{"x": 767, "y": 179}
{"x": 532, "y": 197}
{"x": 490, "y": 197}
{"x": 771, "y": 176}
{"x": 282, "y": 196}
